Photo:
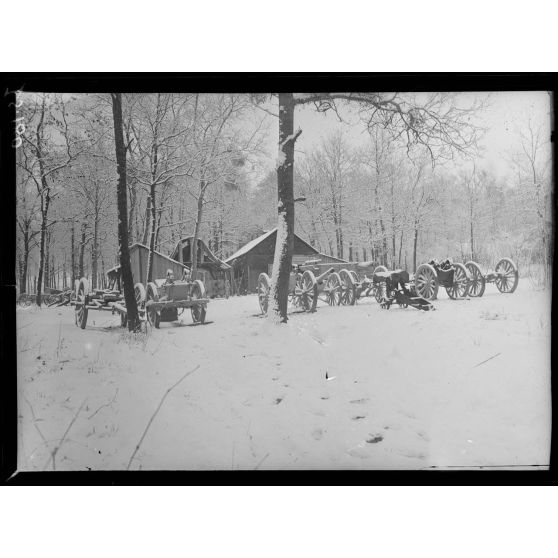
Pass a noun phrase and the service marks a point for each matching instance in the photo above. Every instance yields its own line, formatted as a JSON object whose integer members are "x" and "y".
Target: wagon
{"x": 159, "y": 302}
{"x": 505, "y": 277}
{"x": 429, "y": 277}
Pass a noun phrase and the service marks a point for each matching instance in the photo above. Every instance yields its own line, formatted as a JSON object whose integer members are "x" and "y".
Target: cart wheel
{"x": 348, "y": 288}
{"x": 333, "y": 289}
{"x": 426, "y": 282}
{"x": 153, "y": 316}
{"x": 198, "y": 311}
{"x": 508, "y": 276}
{"x": 309, "y": 295}
{"x": 478, "y": 282}
{"x": 81, "y": 310}
{"x": 460, "y": 286}
{"x": 263, "y": 291}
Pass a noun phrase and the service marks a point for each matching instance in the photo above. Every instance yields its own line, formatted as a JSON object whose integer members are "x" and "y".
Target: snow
{"x": 404, "y": 388}
{"x": 281, "y": 158}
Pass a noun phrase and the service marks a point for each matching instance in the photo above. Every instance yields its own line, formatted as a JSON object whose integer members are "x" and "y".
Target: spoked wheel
{"x": 309, "y": 294}
{"x": 153, "y": 315}
{"x": 508, "y": 276}
{"x": 477, "y": 282}
{"x": 348, "y": 288}
{"x": 141, "y": 296}
{"x": 199, "y": 310}
{"x": 264, "y": 286}
{"x": 81, "y": 310}
{"x": 426, "y": 282}
{"x": 460, "y": 285}
{"x": 333, "y": 289}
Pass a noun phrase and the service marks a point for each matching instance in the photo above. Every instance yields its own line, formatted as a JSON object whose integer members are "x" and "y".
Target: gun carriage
{"x": 505, "y": 277}
{"x": 429, "y": 277}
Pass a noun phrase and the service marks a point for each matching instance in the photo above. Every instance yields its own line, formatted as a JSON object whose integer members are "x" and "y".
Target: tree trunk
{"x": 472, "y": 235}
{"x": 194, "y": 245}
{"x": 400, "y": 248}
{"x": 38, "y": 287}
{"x": 285, "y": 211}
{"x": 415, "y": 244}
{"x": 94, "y": 252}
{"x": 25, "y": 263}
{"x": 121, "y": 194}
{"x": 73, "y": 256}
{"x": 47, "y": 272}
{"x": 151, "y": 234}
{"x": 81, "y": 270}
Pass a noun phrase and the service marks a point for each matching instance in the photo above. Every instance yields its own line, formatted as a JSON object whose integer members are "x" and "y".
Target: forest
{"x": 201, "y": 164}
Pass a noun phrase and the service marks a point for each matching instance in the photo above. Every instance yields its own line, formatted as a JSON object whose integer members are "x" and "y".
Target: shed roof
{"x": 253, "y": 243}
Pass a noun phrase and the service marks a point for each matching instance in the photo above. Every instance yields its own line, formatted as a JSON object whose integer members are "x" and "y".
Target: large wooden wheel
{"x": 264, "y": 286}
{"x": 199, "y": 310}
{"x": 426, "y": 282}
{"x": 508, "y": 276}
{"x": 333, "y": 289}
{"x": 477, "y": 282}
{"x": 309, "y": 291}
{"x": 460, "y": 285}
{"x": 348, "y": 288}
{"x": 153, "y": 315}
{"x": 80, "y": 309}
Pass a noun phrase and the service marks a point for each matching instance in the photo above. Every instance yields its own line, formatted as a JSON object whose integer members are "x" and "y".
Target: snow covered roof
{"x": 253, "y": 243}
{"x": 250, "y": 245}
{"x": 211, "y": 256}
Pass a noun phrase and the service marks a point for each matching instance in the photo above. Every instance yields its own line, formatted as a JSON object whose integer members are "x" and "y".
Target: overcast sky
{"x": 506, "y": 113}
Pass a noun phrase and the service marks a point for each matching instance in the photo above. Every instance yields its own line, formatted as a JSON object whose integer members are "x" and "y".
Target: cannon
{"x": 505, "y": 276}
{"x": 429, "y": 277}
{"x": 395, "y": 288}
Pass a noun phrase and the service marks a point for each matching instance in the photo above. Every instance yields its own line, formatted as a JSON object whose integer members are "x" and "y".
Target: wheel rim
{"x": 263, "y": 292}
{"x": 459, "y": 286}
{"x": 508, "y": 277}
{"x": 198, "y": 311}
{"x": 332, "y": 289}
{"x": 426, "y": 282}
{"x": 309, "y": 287}
{"x": 347, "y": 288}
{"x": 81, "y": 304}
{"x": 153, "y": 316}
{"x": 477, "y": 281}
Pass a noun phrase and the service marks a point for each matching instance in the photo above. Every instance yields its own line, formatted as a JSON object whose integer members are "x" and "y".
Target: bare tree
{"x": 121, "y": 194}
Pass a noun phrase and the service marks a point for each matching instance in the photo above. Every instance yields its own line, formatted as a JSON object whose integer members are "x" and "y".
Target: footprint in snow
{"x": 317, "y": 434}
{"x": 374, "y": 439}
{"x": 359, "y": 401}
{"x": 278, "y": 400}
{"x": 358, "y": 417}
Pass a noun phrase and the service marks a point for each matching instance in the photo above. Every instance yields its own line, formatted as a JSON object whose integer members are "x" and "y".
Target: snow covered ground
{"x": 404, "y": 388}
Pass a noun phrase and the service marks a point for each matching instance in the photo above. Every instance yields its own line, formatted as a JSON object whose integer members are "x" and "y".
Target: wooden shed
{"x": 139, "y": 256}
{"x": 257, "y": 255}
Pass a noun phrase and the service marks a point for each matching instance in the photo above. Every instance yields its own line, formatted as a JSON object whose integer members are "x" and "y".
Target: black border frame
{"x": 228, "y": 82}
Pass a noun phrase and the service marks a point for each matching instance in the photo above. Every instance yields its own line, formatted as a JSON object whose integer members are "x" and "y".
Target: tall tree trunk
{"x": 194, "y": 245}
{"x": 73, "y": 256}
{"x": 42, "y": 241}
{"x": 146, "y": 220}
{"x": 151, "y": 234}
{"x": 121, "y": 194}
{"x": 25, "y": 262}
{"x": 284, "y": 244}
{"x": 472, "y": 235}
{"x": 415, "y": 244}
{"x": 81, "y": 268}
{"x": 95, "y": 251}
{"x": 400, "y": 248}
{"x": 47, "y": 270}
